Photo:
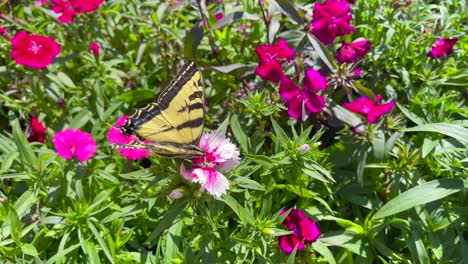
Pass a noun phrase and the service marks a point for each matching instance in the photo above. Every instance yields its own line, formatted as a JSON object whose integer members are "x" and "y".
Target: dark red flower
{"x": 351, "y": 1}
{"x": 37, "y": 130}
{"x": 331, "y": 20}
{"x": 33, "y": 50}
{"x": 304, "y": 101}
{"x": 368, "y": 108}
{"x": 68, "y": 9}
{"x": 269, "y": 67}
{"x": 443, "y": 47}
{"x": 305, "y": 231}
{"x": 352, "y": 52}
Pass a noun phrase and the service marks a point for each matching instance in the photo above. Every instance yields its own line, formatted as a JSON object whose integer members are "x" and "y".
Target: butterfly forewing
{"x": 174, "y": 125}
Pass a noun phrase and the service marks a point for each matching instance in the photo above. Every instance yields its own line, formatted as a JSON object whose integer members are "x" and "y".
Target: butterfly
{"x": 173, "y": 125}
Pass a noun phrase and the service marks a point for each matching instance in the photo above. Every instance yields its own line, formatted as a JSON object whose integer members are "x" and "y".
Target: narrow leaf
{"x": 422, "y": 194}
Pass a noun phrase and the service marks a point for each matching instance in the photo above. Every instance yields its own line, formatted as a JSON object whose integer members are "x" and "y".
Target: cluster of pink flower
{"x": 38, "y": 51}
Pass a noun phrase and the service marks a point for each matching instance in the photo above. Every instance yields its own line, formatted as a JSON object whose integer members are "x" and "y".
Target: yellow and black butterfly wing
{"x": 174, "y": 124}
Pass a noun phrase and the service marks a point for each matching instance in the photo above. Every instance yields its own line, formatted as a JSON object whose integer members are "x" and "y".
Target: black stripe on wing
{"x": 184, "y": 76}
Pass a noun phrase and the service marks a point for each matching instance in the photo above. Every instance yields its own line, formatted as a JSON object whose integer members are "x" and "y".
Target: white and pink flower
{"x": 219, "y": 153}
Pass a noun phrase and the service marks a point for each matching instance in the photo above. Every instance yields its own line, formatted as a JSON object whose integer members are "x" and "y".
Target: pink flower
{"x": 304, "y": 101}
{"x": 3, "y": 31}
{"x": 219, "y": 16}
{"x": 269, "y": 67}
{"x": 220, "y": 152}
{"x": 305, "y": 231}
{"x": 69, "y": 143}
{"x": 33, "y": 50}
{"x": 39, "y": 3}
{"x": 95, "y": 48}
{"x": 357, "y": 72}
{"x": 352, "y": 52}
{"x": 443, "y": 47}
{"x": 115, "y": 136}
{"x": 331, "y": 20}
{"x": 208, "y": 177}
{"x": 368, "y": 108}
{"x": 241, "y": 27}
{"x": 37, "y": 130}
{"x": 70, "y": 8}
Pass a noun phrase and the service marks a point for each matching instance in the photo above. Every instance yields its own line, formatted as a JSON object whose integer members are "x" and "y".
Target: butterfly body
{"x": 172, "y": 127}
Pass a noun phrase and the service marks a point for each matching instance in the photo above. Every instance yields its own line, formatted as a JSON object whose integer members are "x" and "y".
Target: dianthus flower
{"x": 69, "y": 143}
{"x": 36, "y": 130}
{"x": 95, "y": 48}
{"x": 442, "y": 47}
{"x": 305, "y": 231}
{"x": 331, "y": 20}
{"x": 68, "y": 9}
{"x": 303, "y": 100}
{"x": 352, "y": 52}
{"x": 368, "y": 108}
{"x": 269, "y": 66}
{"x": 219, "y": 153}
{"x": 33, "y": 51}
{"x": 115, "y": 136}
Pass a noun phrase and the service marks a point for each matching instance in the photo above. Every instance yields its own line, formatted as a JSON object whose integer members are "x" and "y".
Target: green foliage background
{"x": 395, "y": 193}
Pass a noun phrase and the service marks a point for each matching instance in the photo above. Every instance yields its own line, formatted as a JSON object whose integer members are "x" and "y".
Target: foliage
{"x": 390, "y": 192}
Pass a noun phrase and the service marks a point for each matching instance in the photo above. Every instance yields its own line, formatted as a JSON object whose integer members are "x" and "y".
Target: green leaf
{"x": 22, "y": 144}
{"x": 428, "y": 146}
{"x": 301, "y": 191}
{"x": 344, "y": 115}
{"x": 324, "y": 251}
{"x": 422, "y": 194}
{"x": 135, "y": 96}
{"x": 249, "y": 184}
{"x": 232, "y": 18}
{"x": 353, "y": 242}
{"x": 101, "y": 241}
{"x": 457, "y": 132}
{"x": 13, "y": 222}
{"x": 281, "y": 136}
{"x": 416, "y": 246}
{"x": 62, "y": 253}
{"x": 410, "y": 115}
{"x": 323, "y": 52}
{"x": 378, "y": 146}
{"x": 243, "y": 214}
{"x": 90, "y": 250}
{"x": 175, "y": 209}
{"x": 287, "y": 7}
{"x": 192, "y": 40}
{"x": 228, "y": 68}
{"x": 292, "y": 256}
{"x": 29, "y": 249}
{"x": 24, "y": 203}
{"x": 239, "y": 134}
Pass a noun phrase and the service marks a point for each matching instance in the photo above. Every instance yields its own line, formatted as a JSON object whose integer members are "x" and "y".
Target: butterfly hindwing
{"x": 174, "y": 124}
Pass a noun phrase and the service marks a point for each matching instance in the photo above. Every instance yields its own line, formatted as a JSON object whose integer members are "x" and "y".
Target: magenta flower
{"x": 298, "y": 100}
{"x": 209, "y": 179}
{"x": 305, "y": 231}
{"x": 352, "y": 52}
{"x": 219, "y": 16}
{"x": 331, "y": 20}
{"x": 36, "y": 130}
{"x": 69, "y": 143}
{"x": 95, "y": 48}
{"x": 68, "y": 9}
{"x": 443, "y": 47}
{"x": 3, "y": 32}
{"x": 33, "y": 51}
{"x": 269, "y": 67}
{"x": 368, "y": 108}
{"x": 220, "y": 153}
{"x": 115, "y": 136}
